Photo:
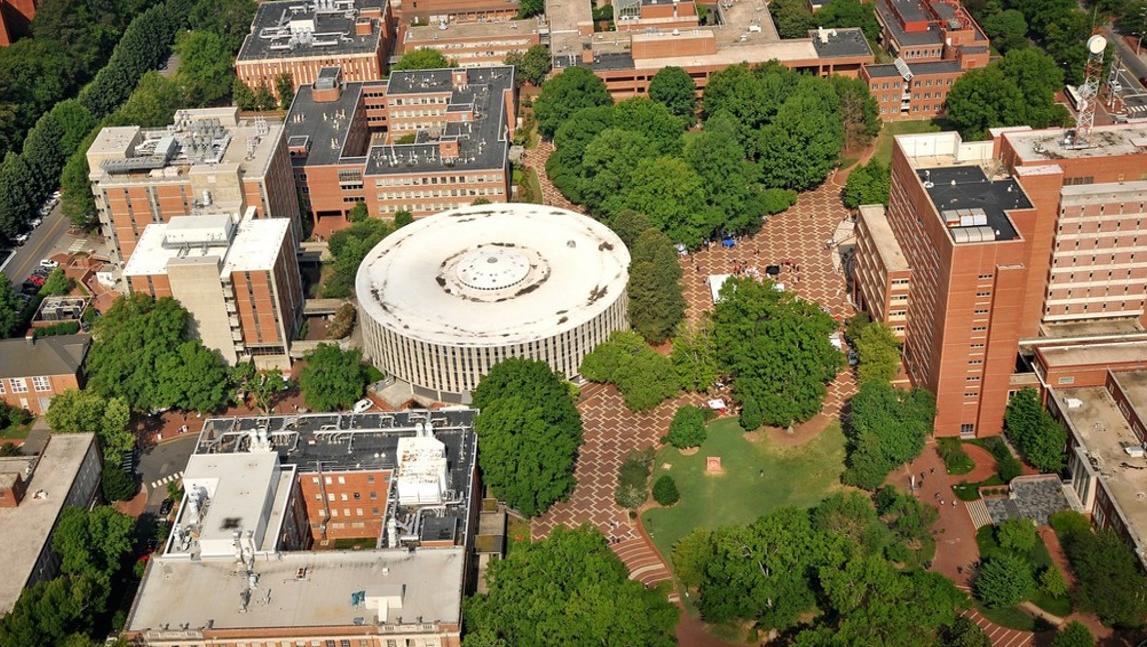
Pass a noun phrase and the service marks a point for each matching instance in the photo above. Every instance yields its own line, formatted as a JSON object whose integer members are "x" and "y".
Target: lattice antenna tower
{"x": 1089, "y": 90}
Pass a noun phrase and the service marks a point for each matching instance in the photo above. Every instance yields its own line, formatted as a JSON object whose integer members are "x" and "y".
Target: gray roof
{"x": 845, "y": 42}
{"x": 58, "y": 355}
{"x": 892, "y": 22}
{"x": 935, "y": 67}
{"x": 886, "y": 70}
{"x": 334, "y": 33}
{"x": 324, "y": 124}
{"x": 966, "y": 187}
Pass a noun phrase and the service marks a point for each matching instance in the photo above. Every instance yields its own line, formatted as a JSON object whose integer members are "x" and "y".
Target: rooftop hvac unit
{"x": 1134, "y": 451}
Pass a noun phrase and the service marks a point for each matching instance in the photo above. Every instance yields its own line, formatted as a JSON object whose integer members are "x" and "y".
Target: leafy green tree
{"x": 44, "y": 154}
{"x": 644, "y": 377}
{"x": 1109, "y": 582}
{"x": 76, "y": 411}
{"x": 242, "y": 95}
{"x": 11, "y": 309}
{"x": 265, "y": 386}
{"x": 607, "y": 167}
{"x": 803, "y": 142}
{"x": 694, "y": 356}
{"x": 531, "y": 8}
{"x": 629, "y": 225}
{"x": 1068, "y": 523}
{"x": 859, "y": 111}
{"x": 1040, "y": 438}
{"x": 867, "y": 184}
{"x": 530, "y": 430}
{"x": 56, "y": 284}
{"x": 151, "y": 105}
{"x": 752, "y": 96}
{"x": 964, "y": 633}
{"x": 75, "y": 120}
{"x": 687, "y": 429}
{"x": 532, "y": 65}
{"x": 1052, "y": 581}
{"x": 564, "y": 167}
{"x": 48, "y": 612}
{"x": 117, "y": 485}
{"x": 402, "y": 218}
{"x": 206, "y": 66}
{"x": 653, "y": 120}
{"x": 285, "y": 88}
{"x": 673, "y": 196}
{"x": 1007, "y": 30}
{"x": 1018, "y": 90}
{"x": 885, "y": 427}
{"x": 92, "y": 541}
{"x": 348, "y": 247}
{"x": 665, "y": 490}
{"x": 358, "y": 213}
{"x": 230, "y": 19}
{"x": 633, "y": 480}
{"x": 793, "y": 18}
{"x": 656, "y": 305}
{"x": 423, "y": 58}
{"x": 17, "y": 201}
{"x": 1073, "y": 634}
{"x": 77, "y": 202}
{"x": 776, "y": 348}
{"x": 141, "y": 351}
{"x": 579, "y": 593}
{"x": 566, "y": 93}
{"x": 675, "y": 89}
{"x": 718, "y": 157}
{"x": 333, "y": 379}
{"x": 1016, "y": 535}
{"x": 879, "y": 353}
{"x": 1003, "y": 581}
{"x": 264, "y": 99}
{"x": 850, "y": 13}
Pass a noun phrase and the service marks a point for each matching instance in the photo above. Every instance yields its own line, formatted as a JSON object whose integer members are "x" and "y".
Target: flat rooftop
{"x": 1091, "y": 327}
{"x": 253, "y": 245}
{"x": 207, "y": 593}
{"x": 299, "y": 28}
{"x": 564, "y": 17}
{"x": 876, "y": 220}
{"x": 839, "y": 43}
{"x": 968, "y": 188}
{"x": 1106, "y": 141}
{"x": 24, "y": 530}
{"x": 493, "y": 275}
{"x": 321, "y": 128}
{"x": 1095, "y": 354}
{"x": 913, "y": 11}
{"x": 501, "y": 29}
{"x": 1103, "y": 432}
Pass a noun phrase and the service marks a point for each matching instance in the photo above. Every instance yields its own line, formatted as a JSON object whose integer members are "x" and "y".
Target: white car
{"x": 363, "y": 405}
{"x": 35, "y": 222}
{"x": 49, "y": 263}
{"x": 21, "y": 238}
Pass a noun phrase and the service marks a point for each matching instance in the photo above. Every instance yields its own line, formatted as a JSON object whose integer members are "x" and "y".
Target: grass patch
{"x": 1060, "y": 606}
{"x": 760, "y": 476}
{"x": 517, "y": 532}
{"x": 354, "y": 543}
{"x": 956, "y": 460}
{"x": 1010, "y": 617}
{"x": 16, "y": 432}
{"x": 893, "y": 128}
{"x": 971, "y": 491}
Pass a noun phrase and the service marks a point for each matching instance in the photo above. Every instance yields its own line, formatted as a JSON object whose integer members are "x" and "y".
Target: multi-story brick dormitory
{"x": 301, "y": 37}
{"x": 423, "y": 141}
{"x": 934, "y": 42}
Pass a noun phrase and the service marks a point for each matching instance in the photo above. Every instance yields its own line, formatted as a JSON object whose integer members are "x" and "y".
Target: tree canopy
{"x": 867, "y": 184}
{"x": 423, "y": 58}
{"x": 687, "y": 429}
{"x": 348, "y": 247}
{"x": 142, "y": 352}
{"x": 568, "y": 589}
{"x": 1003, "y": 581}
{"x": 1017, "y": 90}
{"x": 645, "y": 377}
{"x": 532, "y": 65}
{"x": 1109, "y": 581}
{"x": 564, "y": 94}
{"x": 675, "y": 89}
{"x": 1039, "y": 437}
{"x": 776, "y": 349}
{"x": 885, "y": 427}
{"x": 75, "y": 411}
{"x": 656, "y": 305}
{"x": 1073, "y": 634}
{"x": 530, "y": 431}
{"x": 878, "y": 351}
{"x": 333, "y": 379}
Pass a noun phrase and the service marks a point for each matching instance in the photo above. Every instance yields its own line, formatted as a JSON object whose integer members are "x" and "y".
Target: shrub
{"x": 1073, "y": 634}
{"x": 956, "y": 461}
{"x": 1007, "y": 466}
{"x": 665, "y": 490}
{"x": 633, "y": 479}
{"x": 117, "y": 485}
{"x": 1052, "y": 581}
{"x": 343, "y": 322}
{"x": 1016, "y": 535}
{"x": 1069, "y": 522}
{"x": 687, "y": 428}
{"x": 62, "y": 328}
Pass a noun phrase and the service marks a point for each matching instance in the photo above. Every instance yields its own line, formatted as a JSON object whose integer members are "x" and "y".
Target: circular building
{"x": 443, "y": 299}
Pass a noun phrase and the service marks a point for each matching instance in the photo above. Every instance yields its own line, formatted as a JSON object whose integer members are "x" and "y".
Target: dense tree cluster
{"x": 1060, "y": 27}
{"x": 142, "y": 351}
{"x": 1109, "y": 581}
{"x": 1040, "y": 439}
{"x": 532, "y": 65}
{"x": 76, "y": 411}
{"x": 768, "y": 131}
{"x": 333, "y": 379}
{"x": 885, "y": 427}
{"x": 1018, "y": 90}
{"x": 530, "y": 431}
{"x": 656, "y": 305}
{"x": 794, "y": 18}
{"x": 645, "y": 377}
{"x": 687, "y": 429}
{"x": 348, "y": 247}
{"x": 776, "y": 348}
{"x": 837, "y": 557}
{"x": 694, "y": 355}
{"x": 92, "y": 546}
{"x": 633, "y": 479}
{"x": 878, "y": 351}
{"x": 423, "y": 58}
{"x": 567, "y": 589}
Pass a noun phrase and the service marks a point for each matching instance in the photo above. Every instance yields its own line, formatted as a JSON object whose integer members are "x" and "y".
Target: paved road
{"x": 43, "y": 242}
{"x": 1127, "y": 55}
{"x": 161, "y": 461}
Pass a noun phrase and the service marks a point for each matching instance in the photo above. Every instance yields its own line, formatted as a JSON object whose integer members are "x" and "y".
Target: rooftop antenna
{"x": 1089, "y": 90}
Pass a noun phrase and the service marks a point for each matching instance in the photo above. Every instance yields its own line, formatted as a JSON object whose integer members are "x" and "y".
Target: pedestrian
{"x": 931, "y": 470}
{"x": 941, "y": 501}
{"x": 953, "y": 503}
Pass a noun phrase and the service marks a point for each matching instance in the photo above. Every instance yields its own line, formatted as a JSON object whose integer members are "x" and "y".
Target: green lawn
{"x": 15, "y": 432}
{"x": 893, "y": 128}
{"x": 759, "y": 478}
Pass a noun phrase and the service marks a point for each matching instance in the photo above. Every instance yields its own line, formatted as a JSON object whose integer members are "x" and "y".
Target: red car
{"x": 36, "y": 280}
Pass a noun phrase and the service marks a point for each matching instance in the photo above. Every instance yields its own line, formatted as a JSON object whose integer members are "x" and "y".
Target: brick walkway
{"x": 1001, "y": 636}
{"x": 535, "y": 158}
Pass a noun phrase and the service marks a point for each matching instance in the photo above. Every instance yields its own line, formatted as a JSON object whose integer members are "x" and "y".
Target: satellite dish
{"x": 1096, "y": 44}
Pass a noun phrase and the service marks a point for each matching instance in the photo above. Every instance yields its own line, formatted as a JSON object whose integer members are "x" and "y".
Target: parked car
{"x": 166, "y": 506}
{"x": 36, "y": 280}
{"x": 35, "y": 222}
{"x": 42, "y": 272}
{"x": 21, "y": 238}
{"x": 363, "y": 405}
{"x": 29, "y": 288}
{"x": 49, "y": 263}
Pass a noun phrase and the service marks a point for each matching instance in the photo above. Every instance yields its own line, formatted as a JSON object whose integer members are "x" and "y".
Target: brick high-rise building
{"x": 423, "y": 141}
{"x": 934, "y": 42}
{"x": 301, "y": 37}
{"x": 1013, "y": 243}
{"x": 209, "y": 161}
{"x": 238, "y": 279}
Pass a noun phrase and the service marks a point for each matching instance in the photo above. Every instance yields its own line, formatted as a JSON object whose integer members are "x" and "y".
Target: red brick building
{"x": 15, "y": 19}
{"x": 934, "y": 42}
{"x": 1022, "y": 241}
{"x": 302, "y": 37}
{"x": 209, "y": 161}
{"x": 423, "y": 141}
{"x": 36, "y": 370}
{"x": 431, "y": 12}
{"x": 471, "y": 44}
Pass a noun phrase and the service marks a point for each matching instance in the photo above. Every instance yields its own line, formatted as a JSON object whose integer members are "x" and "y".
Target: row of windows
{"x": 359, "y": 642}
{"x": 357, "y": 496}
{"x": 411, "y": 180}
{"x": 420, "y": 101}
{"x": 20, "y": 385}
{"x": 400, "y": 114}
{"x": 439, "y": 193}
{"x": 358, "y": 512}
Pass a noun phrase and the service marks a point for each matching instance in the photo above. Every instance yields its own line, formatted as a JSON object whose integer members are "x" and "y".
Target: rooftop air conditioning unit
{"x": 1134, "y": 451}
